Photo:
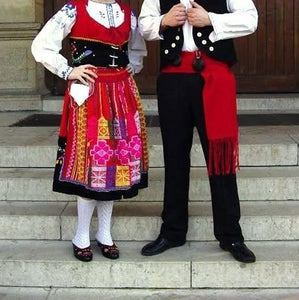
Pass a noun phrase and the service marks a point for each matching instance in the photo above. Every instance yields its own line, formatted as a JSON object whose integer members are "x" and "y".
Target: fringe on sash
{"x": 223, "y": 156}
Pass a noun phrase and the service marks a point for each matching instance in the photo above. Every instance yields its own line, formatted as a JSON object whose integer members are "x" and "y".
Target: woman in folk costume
{"x": 102, "y": 154}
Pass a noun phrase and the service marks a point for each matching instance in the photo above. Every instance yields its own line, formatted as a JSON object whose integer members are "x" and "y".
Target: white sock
{"x": 103, "y": 235}
{"x": 85, "y": 209}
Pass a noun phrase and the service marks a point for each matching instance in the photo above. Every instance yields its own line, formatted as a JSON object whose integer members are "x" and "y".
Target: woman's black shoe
{"x": 159, "y": 245}
{"x": 111, "y": 252}
{"x": 83, "y": 254}
{"x": 240, "y": 252}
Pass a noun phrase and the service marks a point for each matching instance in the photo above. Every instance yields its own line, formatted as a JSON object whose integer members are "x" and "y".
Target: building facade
{"x": 21, "y": 80}
{"x": 268, "y": 59}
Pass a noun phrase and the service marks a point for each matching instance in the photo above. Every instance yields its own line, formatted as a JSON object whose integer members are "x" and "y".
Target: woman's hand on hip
{"x": 130, "y": 69}
{"x": 84, "y": 74}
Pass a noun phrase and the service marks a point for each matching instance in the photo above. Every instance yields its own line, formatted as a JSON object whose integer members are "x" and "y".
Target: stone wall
{"x": 21, "y": 79}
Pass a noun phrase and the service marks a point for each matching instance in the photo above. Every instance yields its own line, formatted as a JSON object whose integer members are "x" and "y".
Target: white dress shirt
{"x": 48, "y": 43}
{"x": 240, "y": 21}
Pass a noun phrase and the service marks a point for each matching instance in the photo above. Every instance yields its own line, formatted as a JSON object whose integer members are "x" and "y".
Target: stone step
{"x": 20, "y": 102}
{"x": 134, "y": 221}
{"x": 194, "y": 265}
{"x": 259, "y": 146}
{"x": 246, "y": 102}
{"x": 17, "y": 293}
{"x": 255, "y": 184}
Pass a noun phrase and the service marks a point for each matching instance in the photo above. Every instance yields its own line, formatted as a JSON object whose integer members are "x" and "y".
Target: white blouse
{"x": 240, "y": 21}
{"x": 48, "y": 43}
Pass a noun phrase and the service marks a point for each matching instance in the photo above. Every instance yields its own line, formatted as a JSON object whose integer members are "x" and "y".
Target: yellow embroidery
{"x": 122, "y": 176}
{"x": 81, "y": 143}
{"x": 103, "y": 129}
{"x": 143, "y": 129}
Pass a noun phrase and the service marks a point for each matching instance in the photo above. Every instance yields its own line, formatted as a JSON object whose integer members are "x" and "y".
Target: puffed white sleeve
{"x": 48, "y": 43}
{"x": 241, "y": 20}
{"x": 150, "y": 20}
{"x": 136, "y": 46}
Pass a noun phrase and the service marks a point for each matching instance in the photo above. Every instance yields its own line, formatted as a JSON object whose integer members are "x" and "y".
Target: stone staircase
{"x": 36, "y": 225}
{"x": 254, "y": 103}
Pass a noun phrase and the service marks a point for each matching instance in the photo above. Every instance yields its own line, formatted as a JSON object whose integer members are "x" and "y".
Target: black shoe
{"x": 83, "y": 254}
{"x": 111, "y": 252}
{"x": 159, "y": 245}
{"x": 239, "y": 251}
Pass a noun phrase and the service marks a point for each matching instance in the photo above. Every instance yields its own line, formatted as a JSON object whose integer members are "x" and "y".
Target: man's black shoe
{"x": 159, "y": 245}
{"x": 239, "y": 251}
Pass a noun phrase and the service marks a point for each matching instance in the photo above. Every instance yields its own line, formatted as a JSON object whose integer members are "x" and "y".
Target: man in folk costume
{"x": 197, "y": 88}
{"x": 102, "y": 154}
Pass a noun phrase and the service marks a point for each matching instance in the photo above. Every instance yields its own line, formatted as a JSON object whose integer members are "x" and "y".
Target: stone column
{"x": 21, "y": 79}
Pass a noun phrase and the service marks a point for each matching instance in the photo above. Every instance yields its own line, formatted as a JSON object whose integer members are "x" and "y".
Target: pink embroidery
{"x": 73, "y": 147}
{"x": 137, "y": 122}
{"x": 101, "y": 152}
{"x": 135, "y": 147}
{"x": 98, "y": 177}
{"x": 123, "y": 152}
{"x": 135, "y": 171}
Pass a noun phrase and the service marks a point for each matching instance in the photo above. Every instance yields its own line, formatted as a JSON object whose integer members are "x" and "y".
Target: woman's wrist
{"x": 65, "y": 72}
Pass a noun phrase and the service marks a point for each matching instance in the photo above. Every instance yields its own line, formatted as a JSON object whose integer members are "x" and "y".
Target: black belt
{"x": 98, "y": 54}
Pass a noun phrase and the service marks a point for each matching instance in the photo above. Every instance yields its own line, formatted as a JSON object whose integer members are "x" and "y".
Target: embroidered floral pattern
{"x": 72, "y": 155}
{"x": 110, "y": 177}
{"x": 122, "y": 176}
{"x": 113, "y": 142}
{"x": 109, "y": 9}
{"x": 123, "y": 152}
{"x": 60, "y": 154}
{"x": 67, "y": 12}
{"x": 65, "y": 73}
{"x": 81, "y": 57}
{"x": 135, "y": 171}
{"x": 137, "y": 122}
{"x": 101, "y": 152}
{"x": 81, "y": 144}
{"x": 135, "y": 147}
{"x": 117, "y": 129}
{"x": 103, "y": 129}
{"x": 98, "y": 177}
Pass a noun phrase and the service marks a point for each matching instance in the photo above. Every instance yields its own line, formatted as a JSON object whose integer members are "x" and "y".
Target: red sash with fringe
{"x": 220, "y": 108}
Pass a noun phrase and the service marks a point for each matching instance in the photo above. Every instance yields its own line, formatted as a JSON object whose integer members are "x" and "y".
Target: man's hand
{"x": 83, "y": 73}
{"x": 176, "y": 16}
{"x": 198, "y": 16}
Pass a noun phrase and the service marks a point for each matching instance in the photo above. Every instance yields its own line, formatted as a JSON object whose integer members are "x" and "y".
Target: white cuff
{"x": 64, "y": 71}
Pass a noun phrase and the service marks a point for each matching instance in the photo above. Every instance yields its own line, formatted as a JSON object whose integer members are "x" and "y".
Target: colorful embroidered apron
{"x": 102, "y": 150}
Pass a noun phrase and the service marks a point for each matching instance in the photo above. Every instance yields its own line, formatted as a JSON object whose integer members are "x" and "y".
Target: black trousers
{"x": 180, "y": 107}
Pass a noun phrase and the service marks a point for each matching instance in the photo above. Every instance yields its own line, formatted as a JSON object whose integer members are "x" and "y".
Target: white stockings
{"x": 85, "y": 209}
{"x": 104, "y": 209}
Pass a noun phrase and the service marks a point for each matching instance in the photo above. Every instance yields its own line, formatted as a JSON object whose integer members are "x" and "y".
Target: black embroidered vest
{"x": 171, "y": 45}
